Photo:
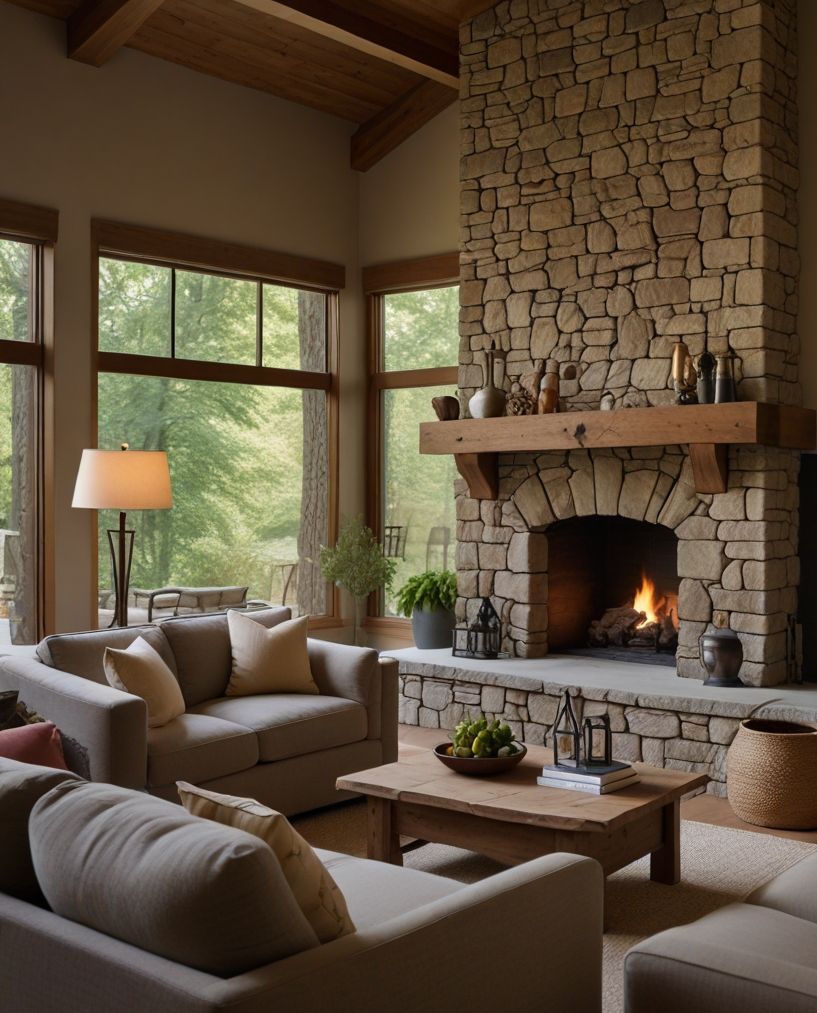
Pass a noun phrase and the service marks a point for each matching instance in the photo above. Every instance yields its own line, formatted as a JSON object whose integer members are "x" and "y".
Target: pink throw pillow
{"x": 39, "y": 743}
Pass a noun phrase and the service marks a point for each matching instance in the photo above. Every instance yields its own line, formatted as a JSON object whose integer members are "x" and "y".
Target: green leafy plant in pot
{"x": 429, "y": 598}
{"x": 356, "y": 563}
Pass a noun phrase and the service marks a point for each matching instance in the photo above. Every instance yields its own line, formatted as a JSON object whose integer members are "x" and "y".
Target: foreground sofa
{"x": 286, "y": 750}
{"x": 755, "y": 957}
{"x": 524, "y": 940}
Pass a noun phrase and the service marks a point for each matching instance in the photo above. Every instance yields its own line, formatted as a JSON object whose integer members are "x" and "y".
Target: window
{"x": 229, "y": 371}
{"x": 27, "y": 235}
{"x": 413, "y": 325}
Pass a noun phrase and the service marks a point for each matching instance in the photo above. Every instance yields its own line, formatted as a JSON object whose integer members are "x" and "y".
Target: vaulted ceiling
{"x": 388, "y": 65}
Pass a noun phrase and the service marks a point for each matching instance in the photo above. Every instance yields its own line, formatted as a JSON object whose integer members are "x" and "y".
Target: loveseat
{"x": 422, "y": 943}
{"x": 286, "y": 750}
{"x": 755, "y": 957}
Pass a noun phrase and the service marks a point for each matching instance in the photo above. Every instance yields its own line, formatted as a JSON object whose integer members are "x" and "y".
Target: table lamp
{"x": 122, "y": 480}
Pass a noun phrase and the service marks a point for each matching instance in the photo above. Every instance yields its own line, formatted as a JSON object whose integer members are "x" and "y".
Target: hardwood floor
{"x": 702, "y": 808}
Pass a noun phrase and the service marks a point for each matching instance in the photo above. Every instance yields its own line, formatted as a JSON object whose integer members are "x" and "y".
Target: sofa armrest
{"x": 740, "y": 957}
{"x": 109, "y": 727}
{"x": 353, "y": 673}
{"x": 542, "y": 919}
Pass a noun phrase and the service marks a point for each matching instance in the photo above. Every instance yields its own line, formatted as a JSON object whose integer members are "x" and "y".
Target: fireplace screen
{"x": 613, "y": 588}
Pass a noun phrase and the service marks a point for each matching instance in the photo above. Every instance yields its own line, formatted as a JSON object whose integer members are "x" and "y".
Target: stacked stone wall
{"x": 628, "y": 178}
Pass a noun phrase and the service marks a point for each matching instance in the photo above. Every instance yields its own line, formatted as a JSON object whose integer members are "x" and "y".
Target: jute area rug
{"x": 719, "y": 866}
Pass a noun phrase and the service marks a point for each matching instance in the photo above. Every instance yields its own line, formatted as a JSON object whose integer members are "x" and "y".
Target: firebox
{"x": 613, "y": 589}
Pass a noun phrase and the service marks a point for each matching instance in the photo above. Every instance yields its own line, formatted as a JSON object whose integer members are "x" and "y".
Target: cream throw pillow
{"x": 140, "y": 670}
{"x": 268, "y": 660}
{"x": 315, "y": 892}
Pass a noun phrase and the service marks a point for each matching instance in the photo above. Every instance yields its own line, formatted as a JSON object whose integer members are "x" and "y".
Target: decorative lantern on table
{"x": 567, "y": 741}
{"x": 483, "y": 638}
{"x": 592, "y": 726}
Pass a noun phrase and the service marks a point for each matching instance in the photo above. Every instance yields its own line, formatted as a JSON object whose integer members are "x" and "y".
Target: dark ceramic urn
{"x": 721, "y": 655}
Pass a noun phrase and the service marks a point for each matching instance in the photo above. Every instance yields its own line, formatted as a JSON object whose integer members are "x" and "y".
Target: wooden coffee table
{"x": 512, "y": 819}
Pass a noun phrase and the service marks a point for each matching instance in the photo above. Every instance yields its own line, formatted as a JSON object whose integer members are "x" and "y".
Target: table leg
{"x": 383, "y": 839}
{"x": 665, "y": 864}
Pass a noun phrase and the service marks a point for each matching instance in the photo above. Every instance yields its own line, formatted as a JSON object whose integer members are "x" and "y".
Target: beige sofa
{"x": 423, "y": 944}
{"x": 755, "y": 957}
{"x": 286, "y": 749}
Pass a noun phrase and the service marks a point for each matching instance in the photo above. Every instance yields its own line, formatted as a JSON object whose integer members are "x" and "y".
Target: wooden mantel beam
{"x": 390, "y": 41}
{"x": 386, "y": 130}
{"x": 99, "y": 28}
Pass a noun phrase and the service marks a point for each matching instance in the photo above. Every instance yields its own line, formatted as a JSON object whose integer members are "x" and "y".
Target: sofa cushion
{"x": 83, "y": 653}
{"x": 793, "y": 891}
{"x": 268, "y": 660}
{"x": 21, "y": 785}
{"x": 147, "y": 872}
{"x": 378, "y": 891}
{"x": 197, "y": 747}
{"x": 291, "y": 724}
{"x": 38, "y": 742}
{"x": 314, "y": 890}
{"x": 201, "y": 648}
{"x": 140, "y": 670}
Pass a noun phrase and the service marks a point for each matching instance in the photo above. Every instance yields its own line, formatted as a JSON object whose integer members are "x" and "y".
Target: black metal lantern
{"x": 483, "y": 638}
{"x": 591, "y": 727}
{"x": 567, "y": 741}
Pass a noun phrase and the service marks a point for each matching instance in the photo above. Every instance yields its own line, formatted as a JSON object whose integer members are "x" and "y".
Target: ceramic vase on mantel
{"x": 489, "y": 402}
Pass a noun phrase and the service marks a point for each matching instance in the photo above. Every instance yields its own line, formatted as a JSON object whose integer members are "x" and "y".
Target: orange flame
{"x": 646, "y": 601}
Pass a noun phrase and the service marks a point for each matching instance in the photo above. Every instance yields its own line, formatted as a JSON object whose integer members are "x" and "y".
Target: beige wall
{"x": 144, "y": 141}
{"x": 409, "y": 202}
{"x": 807, "y": 88}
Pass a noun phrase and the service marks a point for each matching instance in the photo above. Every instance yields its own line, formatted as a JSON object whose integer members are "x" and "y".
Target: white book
{"x": 587, "y": 786}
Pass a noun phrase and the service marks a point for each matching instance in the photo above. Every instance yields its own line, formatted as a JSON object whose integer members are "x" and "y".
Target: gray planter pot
{"x": 432, "y": 628}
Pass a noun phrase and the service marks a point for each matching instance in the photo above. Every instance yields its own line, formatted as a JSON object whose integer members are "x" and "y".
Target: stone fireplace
{"x": 628, "y": 178}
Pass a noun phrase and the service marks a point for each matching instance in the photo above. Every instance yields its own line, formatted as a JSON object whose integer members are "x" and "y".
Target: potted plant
{"x": 429, "y": 599}
{"x": 357, "y": 564}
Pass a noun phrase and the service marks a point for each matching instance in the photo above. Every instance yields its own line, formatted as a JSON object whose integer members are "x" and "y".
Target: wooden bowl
{"x": 479, "y": 766}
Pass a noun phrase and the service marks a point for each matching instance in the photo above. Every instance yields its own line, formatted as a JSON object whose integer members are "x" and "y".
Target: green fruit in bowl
{"x": 483, "y": 740}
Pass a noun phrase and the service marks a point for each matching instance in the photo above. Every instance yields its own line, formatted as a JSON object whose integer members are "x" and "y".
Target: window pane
{"x": 421, "y": 329}
{"x": 134, "y": 308}
{"x": 18, "y": 499}
{"x": 250, "y": 493}
{"x": 294, "y": 329}
{"x": 215, "y": 318}
{"x": 16, "y": 323}
{"x": 419, "y": 510}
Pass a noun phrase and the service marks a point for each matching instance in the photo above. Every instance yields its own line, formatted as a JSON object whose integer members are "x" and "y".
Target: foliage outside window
{"x": 418, "y": 343}
{"x": 248, "y": 460}
{"x": 20, "y": 290}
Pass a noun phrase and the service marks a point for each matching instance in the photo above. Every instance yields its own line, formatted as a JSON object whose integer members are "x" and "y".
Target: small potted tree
{"x": 356, "y": 563}
{"x": 429, "y": 599}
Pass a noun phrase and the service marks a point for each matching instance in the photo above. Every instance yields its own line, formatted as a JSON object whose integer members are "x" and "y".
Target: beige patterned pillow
{"x": 140, "y": 669}
{"x": 315, "y": 892}
{"x": 265, "y": 660}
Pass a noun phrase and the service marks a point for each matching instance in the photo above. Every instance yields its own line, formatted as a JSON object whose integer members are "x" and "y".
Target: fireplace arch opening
{"x": 613, "y": 589}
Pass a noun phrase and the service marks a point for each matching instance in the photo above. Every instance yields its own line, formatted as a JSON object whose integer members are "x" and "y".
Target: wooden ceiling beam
{"x": 99, "y": 28}
{"x": 470, "y": 8}
{"x": 386, "y": 130}
{"x": 375, "y": 38}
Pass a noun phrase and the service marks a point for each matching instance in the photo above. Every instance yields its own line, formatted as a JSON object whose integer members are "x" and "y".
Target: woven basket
{"x": 771, "y": 774}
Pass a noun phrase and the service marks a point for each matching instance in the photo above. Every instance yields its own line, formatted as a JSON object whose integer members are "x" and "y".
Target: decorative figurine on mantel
{"x": 521, "y": 402}
{"x": 705, "y": 367}
{"x": 489, "y": 402}
{"x": 548, "y": 402}
{"x": 446, "y": 407}
{"x": 608, "y": 401}
{"x": 684, "y": 379}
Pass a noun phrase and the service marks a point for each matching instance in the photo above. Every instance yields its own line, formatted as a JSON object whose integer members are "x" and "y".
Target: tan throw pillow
{"x": 268, "y": 660}
{"x": 140, "y": 670}
{"x": 314, "y": 890}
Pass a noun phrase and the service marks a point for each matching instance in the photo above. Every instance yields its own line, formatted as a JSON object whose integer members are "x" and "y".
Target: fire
{"x": 647, "y": 601}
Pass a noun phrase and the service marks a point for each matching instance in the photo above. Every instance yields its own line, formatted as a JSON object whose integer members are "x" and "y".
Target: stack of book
{"x": 596, "y": 780}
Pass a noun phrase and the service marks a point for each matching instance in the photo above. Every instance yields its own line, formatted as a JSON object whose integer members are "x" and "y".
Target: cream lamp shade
{"x": 123, "y": 480}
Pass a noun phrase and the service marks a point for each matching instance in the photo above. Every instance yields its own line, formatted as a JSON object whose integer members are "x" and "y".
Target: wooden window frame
{"x": 141, "y": 244}
{"x": 39, "y": 227}
{"x": 380, "y": 280}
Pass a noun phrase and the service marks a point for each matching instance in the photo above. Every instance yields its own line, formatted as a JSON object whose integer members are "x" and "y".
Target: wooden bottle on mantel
{"x": 549, "y": 390}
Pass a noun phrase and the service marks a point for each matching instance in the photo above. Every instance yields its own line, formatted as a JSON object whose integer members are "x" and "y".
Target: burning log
{"x": 616, "y": 626}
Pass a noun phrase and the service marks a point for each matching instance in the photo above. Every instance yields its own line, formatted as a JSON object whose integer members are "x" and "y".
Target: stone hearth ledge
{"x": 655, "y": 716}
